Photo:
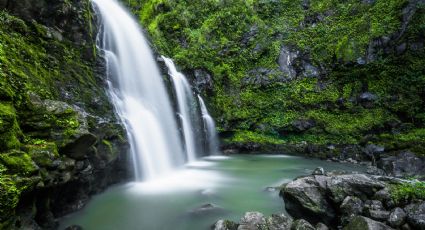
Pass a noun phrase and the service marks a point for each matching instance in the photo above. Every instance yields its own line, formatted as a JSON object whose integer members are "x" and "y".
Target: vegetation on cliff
{"x": 51, "y": 105}
{"x": 350, "y": 72}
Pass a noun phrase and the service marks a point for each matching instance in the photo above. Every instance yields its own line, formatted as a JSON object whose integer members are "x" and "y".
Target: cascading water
{"x": 138, "y": 93}
{"x": 186, "y": 107}
{"x": 210, "y": 131}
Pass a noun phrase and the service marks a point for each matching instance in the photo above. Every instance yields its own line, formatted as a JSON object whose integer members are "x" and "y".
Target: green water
{"x": 234, "y": 184}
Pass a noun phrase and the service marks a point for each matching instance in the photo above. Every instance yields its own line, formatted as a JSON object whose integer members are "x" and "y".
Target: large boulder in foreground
{"x": 315, "y": 198}
{"x": 305, "y": 198}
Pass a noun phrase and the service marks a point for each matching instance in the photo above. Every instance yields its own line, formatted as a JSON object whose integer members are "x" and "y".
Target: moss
{"x": 9, "y": 196}
{"x": 244, "y": 137}
{"x": 9, "y": 129}
{"x": 18, "y": 162}
{"x": 408, "y": 191}
{"x": 42, "y": 153}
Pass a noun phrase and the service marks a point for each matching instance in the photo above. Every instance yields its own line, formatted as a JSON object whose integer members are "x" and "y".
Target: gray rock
{"x": 397, "y": 217}
{"x": 351, "y": 206}
{"x": 252, "y": 221}
{"x": 305, "y": 198}
{"x": 303, "y": 125}
{"x": 383, "y": 195}
{"x": 225, "y": 225}
{"x": 285, "y": 61}
{"x": 74, "y": 227}
{"x": 364, "y": 223}
{"x": 373, "y": 170}
{"x": 416, "y": 215}
{"x": 302, "y": 224}
{"x": 321, "y": 226}
{"x": 358, "y": 185}
{"x": 202, "y": 80}
{"x": 367, "y": 97}
{"x": 279, "y": 222}
{"x": 404, "y": 165}
{"x": 205, "y": 209}
{"x": 379, "y": 215}
{"x": 319, "y": 171}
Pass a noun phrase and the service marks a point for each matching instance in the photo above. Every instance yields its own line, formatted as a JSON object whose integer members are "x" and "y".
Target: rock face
{"x": 405, "y": 164}
{"x": 257, "y": 221}
{"x": 64, "y": 142}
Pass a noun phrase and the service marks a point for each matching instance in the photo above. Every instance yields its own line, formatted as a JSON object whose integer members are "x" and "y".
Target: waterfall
{"x": 210, "y": 131}
{"x": 186, "y": 107}
{"x": 138, "y": 93}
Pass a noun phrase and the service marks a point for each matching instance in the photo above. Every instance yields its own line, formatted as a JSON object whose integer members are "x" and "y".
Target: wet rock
{"x": 416, "y": 215}
{"x": 397, "y": 217}
{"x": 364, "y": 223}
{"x": 321, "y": 226}
{"x": 225, "y": 225}
{"x": 74, "y": 227}
{"x": 373, "y": 170}
{"x": 286, "y": 60}
{"x": 384, "y": 196}
{"x": 358, "y": 185}
{"x": 368, "y": 97}
{"x": 379, "y": 215}
{"x": 303, "y": 125}
{"x": 302, "y": 224}
{"x": 278, "y": 222}
{"x": 205, "y": 208}
{"x": 319, "y": 171}
{"x": 78, "y": 148}
{"x": 252, "y": 221}
{"x": 351, "y": 207}
{"x": 305, "y": 198}
{"x": 262, "y": 77}
{"x": 202, "y": 80}
{"x": 404, "y": 164}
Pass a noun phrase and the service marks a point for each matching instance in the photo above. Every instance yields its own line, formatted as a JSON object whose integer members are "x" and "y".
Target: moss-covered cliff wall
{"x": 58, "y": 132}
{"x": 319, "y": 77}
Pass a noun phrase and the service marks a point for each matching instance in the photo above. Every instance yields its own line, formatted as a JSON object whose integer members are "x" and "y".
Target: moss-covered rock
{"x": 355, "y": 68}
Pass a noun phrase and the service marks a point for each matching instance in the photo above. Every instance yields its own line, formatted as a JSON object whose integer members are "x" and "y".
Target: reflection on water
{"x": 232, "y": 185}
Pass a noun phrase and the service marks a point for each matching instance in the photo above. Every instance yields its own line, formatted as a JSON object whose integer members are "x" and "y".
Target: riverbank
{"x": 335, "y": 200}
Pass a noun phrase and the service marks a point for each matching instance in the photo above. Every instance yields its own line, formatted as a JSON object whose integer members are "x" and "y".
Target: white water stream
{"x": 139, "y": 94}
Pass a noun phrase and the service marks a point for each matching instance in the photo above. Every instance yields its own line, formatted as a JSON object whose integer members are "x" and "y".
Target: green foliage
{"x": 9, "y": 196}
{"x": 244, "y": 137}
{"x": 18, "y": 162}
{"x": 231, "y": 38}
{"x": 408, "y": 191}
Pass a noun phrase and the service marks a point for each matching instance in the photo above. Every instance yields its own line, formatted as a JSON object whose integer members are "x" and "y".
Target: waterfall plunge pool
{"x": 233, "y": 185}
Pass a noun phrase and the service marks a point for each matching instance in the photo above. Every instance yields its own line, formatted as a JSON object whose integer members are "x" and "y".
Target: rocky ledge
{"x": 337, "y": 200}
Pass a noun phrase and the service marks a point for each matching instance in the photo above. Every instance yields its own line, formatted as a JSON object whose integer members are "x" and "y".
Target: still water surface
{"x": 234, "y": 185}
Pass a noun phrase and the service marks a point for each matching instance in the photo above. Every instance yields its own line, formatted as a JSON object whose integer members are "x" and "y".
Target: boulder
{"x": 397, "y": 217}
{"x": 358, "y": 185}
{"x": 416, "y": 215}
{"x": 305, "y": 198}
{"x": 205, "y": 209}
{"x": 225, "y": 225}
{"x": 279, "y": 222}
{"x": 351, "y": 206}
{"x": 303, "y": 125}
{"x": 252, "y": 221}
{"x": 406, "y": 164}
{"x": 364, "y": 223}
{"x": 321, "y": 226}
{"x": 302, "y": 224}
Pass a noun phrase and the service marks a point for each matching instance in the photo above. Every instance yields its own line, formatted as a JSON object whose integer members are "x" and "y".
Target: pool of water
{"x": 233, "y": 185}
